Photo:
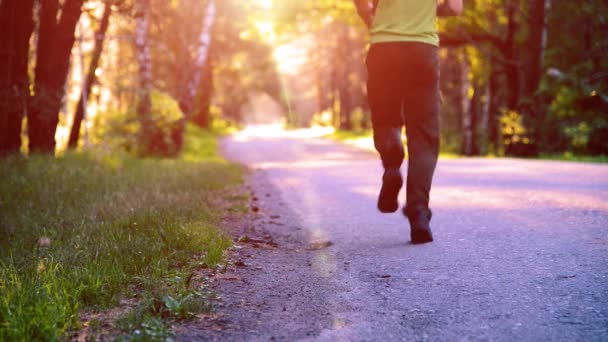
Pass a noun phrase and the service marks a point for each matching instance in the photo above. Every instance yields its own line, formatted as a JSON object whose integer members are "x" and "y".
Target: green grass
{"x": 343, "y": 135}
{"x": 80, "y": 231}
{"x": 569, "y": 156}
{"x": 349, "y": 136}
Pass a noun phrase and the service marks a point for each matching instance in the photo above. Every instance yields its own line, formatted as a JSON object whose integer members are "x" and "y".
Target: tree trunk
{"x": 90, "y": 79}
{"x": 343, "y": 83}
{"x": 333, "y": 86}
{"x": 493, "y": 111}
{"x": 144, "y": 104}
{"x": 316, "y": 59}
{"x": 465, "y": 106}
{"x": 55, "y": 43}
{"x": 484, "y": 120}
{"x": 474, "y": 115}
{"x": 537, "y": 40}
{"x": 536, "y": 45}
{"x": 17, "y": 25}
{"x": 201, "y": 118}
{"x": 202, "y": 54}
{"x": 194, "y": 83}
{"x": 510, "y": 53}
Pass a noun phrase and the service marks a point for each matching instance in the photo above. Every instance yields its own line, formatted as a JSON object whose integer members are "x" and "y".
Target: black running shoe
{"x": 392, "y": 181}
{"x": 420, "y": 226}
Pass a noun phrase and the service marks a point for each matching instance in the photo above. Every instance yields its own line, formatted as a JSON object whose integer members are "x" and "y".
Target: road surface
{"x": 520, "y": 250}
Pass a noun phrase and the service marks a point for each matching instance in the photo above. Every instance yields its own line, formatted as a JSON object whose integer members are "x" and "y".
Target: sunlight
{"x": 265, "y": 4}
{"x": 277, "y": 130}
{"x": 290, "y": 58}
{"x": 266, "y": 30}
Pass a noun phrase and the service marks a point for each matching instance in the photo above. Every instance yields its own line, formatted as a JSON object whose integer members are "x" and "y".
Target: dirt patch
{"x": 265, "y": 292}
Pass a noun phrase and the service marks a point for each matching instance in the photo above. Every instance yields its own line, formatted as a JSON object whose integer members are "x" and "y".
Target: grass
{"x": 343, "y": 135}
{"x": 86, "y": 229}
{"x": 569, "y": 156}
{"x": 363, "y": 139}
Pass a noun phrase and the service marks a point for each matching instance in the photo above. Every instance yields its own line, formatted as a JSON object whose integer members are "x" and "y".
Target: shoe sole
{"x": 420, "y": 236}
{"x": 392, "y": 181}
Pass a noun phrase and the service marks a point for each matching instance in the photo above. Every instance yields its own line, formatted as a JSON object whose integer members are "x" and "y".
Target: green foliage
{"x": 513, "y": 128}
{"x": 116, "y": 130}
{"x": 120, "y": 130}
{"x": 563, "y": 105}
{"x": 144, "y": 328}
{"x": 203, "y": 147}
{"x": 578, "y": 120}
{"x": 77, "y": 230}
{"x": 569, "y": 156}
{"x": 173, "y": 299}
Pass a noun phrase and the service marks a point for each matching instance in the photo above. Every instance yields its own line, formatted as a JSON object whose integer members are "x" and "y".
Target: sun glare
{"x": 290, "y": 57}
{"x": 266, "y": 30}
{"x": 265, "y": 4}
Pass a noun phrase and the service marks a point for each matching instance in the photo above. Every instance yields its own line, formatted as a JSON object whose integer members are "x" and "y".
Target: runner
{"x": 403, "y": 90}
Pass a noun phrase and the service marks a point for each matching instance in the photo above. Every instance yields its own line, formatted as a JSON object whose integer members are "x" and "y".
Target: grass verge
{"x": 569, "y": 156}
{"x": 84, "y": 230}
{"x": 364, "y": 140}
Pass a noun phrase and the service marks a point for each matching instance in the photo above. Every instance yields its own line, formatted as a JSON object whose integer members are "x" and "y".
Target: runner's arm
{"x": 365, "y": 11}
{"x": 449, "y": 8}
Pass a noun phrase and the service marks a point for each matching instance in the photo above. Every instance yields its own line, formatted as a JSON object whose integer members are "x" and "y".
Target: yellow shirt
{"x": 405, "y": 21}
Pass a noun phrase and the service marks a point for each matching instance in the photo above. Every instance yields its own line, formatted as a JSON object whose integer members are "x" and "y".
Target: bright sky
{"x": 290, "y": 57}
{"x": 265, "y": 4}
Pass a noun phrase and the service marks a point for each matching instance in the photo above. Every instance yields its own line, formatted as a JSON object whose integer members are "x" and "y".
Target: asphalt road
{"x": 520, "y": 250}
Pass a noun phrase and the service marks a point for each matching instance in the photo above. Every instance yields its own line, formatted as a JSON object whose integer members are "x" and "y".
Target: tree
{"x": 55, "y": 41}
{"x": 90, "y": 78}
{"x": 17, "y": 25}
{"x": 142, "y": 47}
{"x": 196, "y": 69}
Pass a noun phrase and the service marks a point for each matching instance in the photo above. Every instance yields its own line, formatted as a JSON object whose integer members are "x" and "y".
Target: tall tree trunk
{"x": 144, "y": 104}
{"x": 90, "y": 79}
{"x": 201, "y": 118}
{"x": 510, "y": 54}
{"x": 465, "y": 106}
{"x": 55, "y": 43}
{"x": 202, "y": 54}
{"x": 16, "y": 24}
{"x": 536, "y": 45}
{"x": 7, "y": 58}
{"x": 316, "y": 59}
{"x": 474, "y": 116}
{"x": 483, "y": 119}
{"x": 493, "y": 111}
{"x": 194, "y": 83}
{"x": 343, "y": 83}
{"x": 345, "y": 90}
{"x": 537, "y": 41}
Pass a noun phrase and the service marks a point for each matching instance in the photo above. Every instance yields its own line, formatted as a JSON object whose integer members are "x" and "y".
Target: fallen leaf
{"x": 225, "y": 276}
{"x": 257, "y": 243}
{"x": 315, "y": 246}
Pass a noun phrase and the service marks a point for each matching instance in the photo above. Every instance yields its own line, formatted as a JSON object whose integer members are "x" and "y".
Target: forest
{"x": 117, "y": 208}
{"x": 519, "y": 78}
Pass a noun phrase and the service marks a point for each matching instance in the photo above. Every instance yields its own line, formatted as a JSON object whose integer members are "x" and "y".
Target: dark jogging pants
{"x": 403, "y": 89}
